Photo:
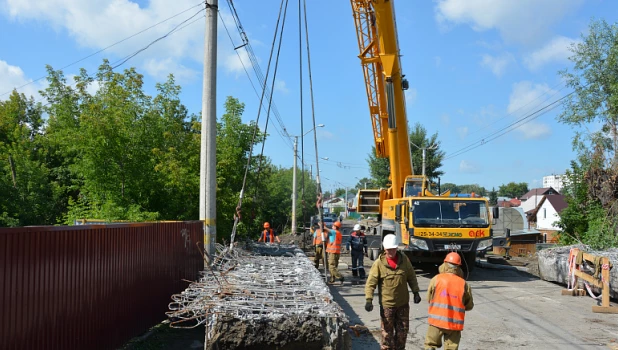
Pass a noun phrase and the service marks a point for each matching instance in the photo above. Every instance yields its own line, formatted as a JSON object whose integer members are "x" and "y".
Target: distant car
{"x": 328, "y": 221}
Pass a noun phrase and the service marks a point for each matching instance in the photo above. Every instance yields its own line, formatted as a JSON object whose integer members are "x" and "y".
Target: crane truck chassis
{"x": 427, "y": 225}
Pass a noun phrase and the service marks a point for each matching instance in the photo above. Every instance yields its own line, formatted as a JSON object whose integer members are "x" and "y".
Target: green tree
{"x": 26, "y": 194}
{"x": 364, "y": 183}
{"x": 433, "y": 154}
{"x": 513, "y": 190}
{"x": 594, "y": 79}
{"x": 379, "y": 168}
{"x": 493, "y": 196}
{"x": 450, "y": 187}
{"x": 476, "y": 188}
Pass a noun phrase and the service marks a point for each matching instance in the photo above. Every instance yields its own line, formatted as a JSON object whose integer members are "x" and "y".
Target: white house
{"x": 549, "y": 212}
{"x": 532, "y": 199}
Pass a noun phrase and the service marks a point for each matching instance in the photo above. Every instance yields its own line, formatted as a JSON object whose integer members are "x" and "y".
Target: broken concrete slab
{"x": 554, "y": 267}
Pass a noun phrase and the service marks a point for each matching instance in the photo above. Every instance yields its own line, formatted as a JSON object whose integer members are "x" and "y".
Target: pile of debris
{"x": 554, "y": 264}
{"x": 262, "y": 297}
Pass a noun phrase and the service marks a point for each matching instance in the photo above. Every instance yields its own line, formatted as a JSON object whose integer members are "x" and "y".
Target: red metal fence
{"x": 91, "y": 287}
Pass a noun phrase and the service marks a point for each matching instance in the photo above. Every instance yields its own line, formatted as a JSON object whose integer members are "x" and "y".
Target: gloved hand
{"x": 369, "y": 305}
{"x": 417, "y": 298}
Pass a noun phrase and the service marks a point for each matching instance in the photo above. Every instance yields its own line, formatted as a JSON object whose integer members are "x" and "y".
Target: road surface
{"x": 513, "y": 310}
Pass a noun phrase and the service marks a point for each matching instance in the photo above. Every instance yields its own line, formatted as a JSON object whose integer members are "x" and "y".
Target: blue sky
{"x": 474, "y": 67}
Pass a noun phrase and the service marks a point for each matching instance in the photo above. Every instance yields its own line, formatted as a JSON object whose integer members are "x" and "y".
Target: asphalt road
{"x": 513, "y": 310}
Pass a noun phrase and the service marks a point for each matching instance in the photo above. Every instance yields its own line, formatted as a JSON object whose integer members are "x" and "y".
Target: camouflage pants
{"x": 395, "y": 324}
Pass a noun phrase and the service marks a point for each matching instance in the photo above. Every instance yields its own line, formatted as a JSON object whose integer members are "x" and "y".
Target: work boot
{"x": 341, "y": 280}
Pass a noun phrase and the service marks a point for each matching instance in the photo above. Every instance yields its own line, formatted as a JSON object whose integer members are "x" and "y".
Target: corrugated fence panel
{"x": 91, "y": 287}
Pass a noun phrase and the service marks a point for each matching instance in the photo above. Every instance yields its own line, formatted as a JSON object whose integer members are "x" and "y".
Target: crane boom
{"x": 379, "y": 55}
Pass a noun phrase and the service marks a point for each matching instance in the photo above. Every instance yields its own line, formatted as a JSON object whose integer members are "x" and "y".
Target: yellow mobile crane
{"x": 428, "y": 225}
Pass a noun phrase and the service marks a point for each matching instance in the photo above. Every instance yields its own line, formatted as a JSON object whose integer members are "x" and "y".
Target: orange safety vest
{"x": 317, "y": 239}
{"x": 272, "y": 235}
{"x": 335, "y": 247}
{"x": 446, "y": 309}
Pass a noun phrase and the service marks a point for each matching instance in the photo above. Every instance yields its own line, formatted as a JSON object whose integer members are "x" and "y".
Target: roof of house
{"x": 539, "y": 192}
{"x": 558, "y": 202}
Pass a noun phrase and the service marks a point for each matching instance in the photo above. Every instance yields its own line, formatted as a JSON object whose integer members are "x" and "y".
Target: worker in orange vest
{"x": 319, "y": 240}
{"x": 334, "y": 251}
{"x": 449, "y": 298}
{"x": 268, "y": 235}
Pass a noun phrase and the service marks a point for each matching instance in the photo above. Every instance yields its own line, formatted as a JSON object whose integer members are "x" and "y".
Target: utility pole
{"x": 208, "y": 151}
{"x": 294, "y": 186}
{"x": 346, "y": 202}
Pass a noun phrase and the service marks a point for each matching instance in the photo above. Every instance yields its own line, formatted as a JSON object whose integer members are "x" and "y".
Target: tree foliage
{"x": 119, "y": 154}
{"x": 379, "y": 169}
{"x": 592, "y": 214}
{"x": 433, "y": 154}
{"x": 513, "y": 189}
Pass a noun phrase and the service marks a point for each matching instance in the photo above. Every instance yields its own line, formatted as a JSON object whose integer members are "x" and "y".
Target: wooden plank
{"x": 574, "y": 292}
{"x": 605, "y": 309}
{"x": 595, "y": 282}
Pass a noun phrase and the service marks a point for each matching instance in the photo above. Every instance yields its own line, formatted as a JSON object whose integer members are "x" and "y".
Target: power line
{"x": 105, "y": 48}
{"x": 282, "y": 133}
{"x": 518, "y": 123}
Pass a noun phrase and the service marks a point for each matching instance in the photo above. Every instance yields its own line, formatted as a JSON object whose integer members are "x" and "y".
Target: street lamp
{"x": 434, "y": 146}
{"x": 294, "y": 178}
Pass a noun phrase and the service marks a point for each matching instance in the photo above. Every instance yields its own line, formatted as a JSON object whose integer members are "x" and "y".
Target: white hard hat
{"x": 390, "y": 241}
{"x": 357, "y": 227}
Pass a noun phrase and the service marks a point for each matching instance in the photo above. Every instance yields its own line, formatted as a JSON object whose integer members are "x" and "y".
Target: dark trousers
{"x": 358, "y": 268}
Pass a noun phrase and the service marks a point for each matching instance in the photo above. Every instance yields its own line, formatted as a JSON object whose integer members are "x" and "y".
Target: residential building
{"x": 554, "y": 181}
{"x": 531, "y": 200}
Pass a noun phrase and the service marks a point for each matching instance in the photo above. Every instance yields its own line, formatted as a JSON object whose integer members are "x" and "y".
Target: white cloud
{"x": 557, "y": 50}
{"x": 13, "y": 77}
{"x": 522, "y": 21}
{"x": 96, "y": 24}
{"x": 445, "y": 119}
{"x": 526, "y": 98}
{"x": 462, "y": 132}
{"x": 411, "y": 95}
{"x": 438, "y": 61}
{"x": 497, "y": 64}
{"x": 469, "y": 167}
{"x": 237, "y": 61}
{"x": 160, "y": 69}
{"x": 281, "y": 86}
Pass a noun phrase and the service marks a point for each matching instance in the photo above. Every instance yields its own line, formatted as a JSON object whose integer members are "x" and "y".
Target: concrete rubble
{"x": 554, "y": 267}
{"x": 262, "y": 297}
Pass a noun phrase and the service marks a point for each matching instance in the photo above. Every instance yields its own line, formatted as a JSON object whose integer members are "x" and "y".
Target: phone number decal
{"x": 437, "y": 234}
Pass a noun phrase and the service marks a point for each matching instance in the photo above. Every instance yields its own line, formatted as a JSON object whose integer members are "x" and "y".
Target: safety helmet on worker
{"x": 390, "y": 241}
{"x": 266, "y": 225}
{"x": 337, "y": 224}
{"x": 357, "y": 227}
{"x": 453, "y": 258}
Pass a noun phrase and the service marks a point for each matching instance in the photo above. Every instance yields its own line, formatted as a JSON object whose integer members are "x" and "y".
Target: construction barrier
{"x": 599, "y": 278}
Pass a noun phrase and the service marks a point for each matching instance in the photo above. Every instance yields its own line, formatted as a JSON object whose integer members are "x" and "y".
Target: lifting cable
{"x": 315, "y": 143}
{"x": 237, "y": 215}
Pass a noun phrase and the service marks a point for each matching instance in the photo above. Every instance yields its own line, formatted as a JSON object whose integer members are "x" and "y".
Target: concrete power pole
{"x": 208, "y": 154}
{"x": 294, "y": 186}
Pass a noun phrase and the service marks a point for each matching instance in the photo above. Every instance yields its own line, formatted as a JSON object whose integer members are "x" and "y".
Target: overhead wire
{"x": 258, "y": 70}
{"x": 524, "y": 106}
{"x": 513, "y": 126}
{"x": 281, "y": 132}
{"x": 105, "y": 48}
{"x": 237, "y": 216}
